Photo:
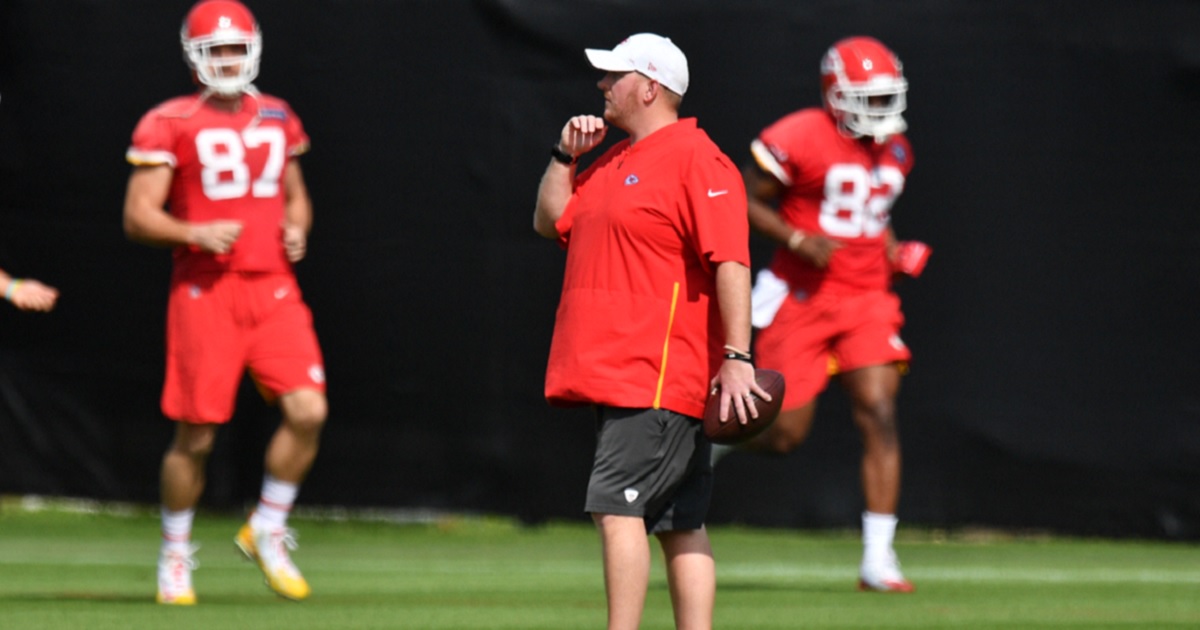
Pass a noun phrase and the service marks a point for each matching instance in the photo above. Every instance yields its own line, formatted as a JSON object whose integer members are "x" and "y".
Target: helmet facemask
{"x": 870, "y": 109}
{"x": 212, "y": 70}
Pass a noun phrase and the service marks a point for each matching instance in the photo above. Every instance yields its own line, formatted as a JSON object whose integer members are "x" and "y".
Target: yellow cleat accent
{"x": 186, "y": 598}
{"x": 269, "y": 548}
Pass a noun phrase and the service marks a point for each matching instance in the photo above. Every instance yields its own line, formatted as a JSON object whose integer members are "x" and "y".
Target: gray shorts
{"x": 651, "y": 463}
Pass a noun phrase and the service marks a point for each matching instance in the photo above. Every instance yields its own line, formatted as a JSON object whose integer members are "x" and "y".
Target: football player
{"x": 216, "y": 178}
{"x": 821, "y": 183}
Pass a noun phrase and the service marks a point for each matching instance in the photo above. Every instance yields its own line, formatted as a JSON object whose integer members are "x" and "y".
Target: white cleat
{"x": 269, "y": 548}
{"x": 884, "y": 576}
{"x": 175, "y": 576}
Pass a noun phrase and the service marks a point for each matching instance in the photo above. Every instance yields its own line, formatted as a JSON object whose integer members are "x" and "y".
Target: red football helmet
{"x": 213, "y": 23}
{"x": 863, "y": 85}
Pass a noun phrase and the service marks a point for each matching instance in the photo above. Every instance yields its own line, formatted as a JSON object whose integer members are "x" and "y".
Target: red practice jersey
{"x": 227, "y": 166}
{"x": 638, "y": 324}
{"x": 839, "y": 187}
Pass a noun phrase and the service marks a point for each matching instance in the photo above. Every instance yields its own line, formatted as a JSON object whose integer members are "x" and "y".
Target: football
{"x": 732, "y": 431}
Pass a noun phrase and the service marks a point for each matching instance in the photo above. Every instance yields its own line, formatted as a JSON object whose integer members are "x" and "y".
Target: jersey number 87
{"x": 225, "y": 174}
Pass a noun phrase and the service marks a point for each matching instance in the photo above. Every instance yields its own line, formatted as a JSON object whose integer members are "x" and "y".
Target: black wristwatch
{"x": 562, "y": 156}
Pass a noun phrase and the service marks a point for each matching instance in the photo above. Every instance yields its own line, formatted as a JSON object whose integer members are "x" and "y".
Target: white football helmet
{"x": 213, "y": 23}
{"x": 863, "y": 86}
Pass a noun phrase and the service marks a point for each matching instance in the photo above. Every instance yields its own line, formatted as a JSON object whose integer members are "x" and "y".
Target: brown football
{"x": 733, "y": 431}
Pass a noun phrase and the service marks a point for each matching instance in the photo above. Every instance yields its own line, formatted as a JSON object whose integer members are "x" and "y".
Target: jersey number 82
{"x": 857, "y": 203}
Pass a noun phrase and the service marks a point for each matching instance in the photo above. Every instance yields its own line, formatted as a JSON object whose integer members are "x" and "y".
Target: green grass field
{"x": 63, "y": 570}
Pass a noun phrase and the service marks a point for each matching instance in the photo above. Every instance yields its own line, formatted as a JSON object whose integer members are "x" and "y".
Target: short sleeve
{"x": 153, "y": 142}
{"x": 772, "y": 153}
{"x": 564, "y": 222}
{"x": 717, "y": 204}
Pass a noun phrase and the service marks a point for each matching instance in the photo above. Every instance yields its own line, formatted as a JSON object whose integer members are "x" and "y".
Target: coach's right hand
{"x": 215, "y": 237}
{"x": 581, "y": 134}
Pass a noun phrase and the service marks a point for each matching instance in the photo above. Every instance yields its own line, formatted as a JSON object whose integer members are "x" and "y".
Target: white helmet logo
{"x": 224, "y": 22}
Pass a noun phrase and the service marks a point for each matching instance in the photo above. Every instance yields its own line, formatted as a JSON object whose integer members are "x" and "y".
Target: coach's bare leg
{"x": 183, "y": 466}
{"x": 692, "y": 577}
{"x": 626, "y": 550}
{"x": 294, "y": 445}
{"x": 873, "y": 393}
{"x": 788, "y": 431}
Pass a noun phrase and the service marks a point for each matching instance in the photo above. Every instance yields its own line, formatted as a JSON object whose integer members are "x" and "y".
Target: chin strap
{"x": 889, "y": 127}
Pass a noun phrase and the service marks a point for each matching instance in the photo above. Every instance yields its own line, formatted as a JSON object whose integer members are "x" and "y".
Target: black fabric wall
{"x": 1054, "y": 330}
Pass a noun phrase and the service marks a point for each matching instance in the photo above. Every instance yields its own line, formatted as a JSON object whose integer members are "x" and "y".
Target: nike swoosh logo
{"x": 716, "y": 193}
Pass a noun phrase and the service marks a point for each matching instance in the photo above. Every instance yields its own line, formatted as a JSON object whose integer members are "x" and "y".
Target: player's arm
{"x": 297, "y": 212}
{"x": 890, "y": 242}
{"x": 735, "y": 379}
{"x": 580, "y": 135}
{"x": 27, "y": 294}
{"x": 763, "y": 191}
{"x": 147, "y": 221}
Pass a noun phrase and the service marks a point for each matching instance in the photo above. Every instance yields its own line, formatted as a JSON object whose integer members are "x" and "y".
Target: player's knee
{"x": 878, "y": 417}
{"x": 305, "y": 411}
{"x": 194, "y": 441}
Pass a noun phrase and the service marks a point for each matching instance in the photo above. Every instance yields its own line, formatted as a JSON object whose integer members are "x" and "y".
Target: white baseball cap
{"x": 652, "y": 55}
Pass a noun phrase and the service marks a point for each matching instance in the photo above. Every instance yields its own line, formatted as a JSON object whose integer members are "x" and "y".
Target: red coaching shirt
{"x": 638, "y": 324}
{"x": 837, "y": 186}
{"x": 227, "y": 166}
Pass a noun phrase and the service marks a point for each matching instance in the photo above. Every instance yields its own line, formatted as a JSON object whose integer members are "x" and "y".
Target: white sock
{"x": 274, "y": 504}
{"x": 878, "y": 532}
{"x": 177, "y": 528}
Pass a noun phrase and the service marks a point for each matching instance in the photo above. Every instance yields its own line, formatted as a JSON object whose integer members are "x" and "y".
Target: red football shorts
{"x": 219, "y": 326}
{"x": 809, "y": 337}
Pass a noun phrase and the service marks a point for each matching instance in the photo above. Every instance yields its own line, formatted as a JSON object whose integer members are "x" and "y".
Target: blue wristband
{"x": 13, "y": 285}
